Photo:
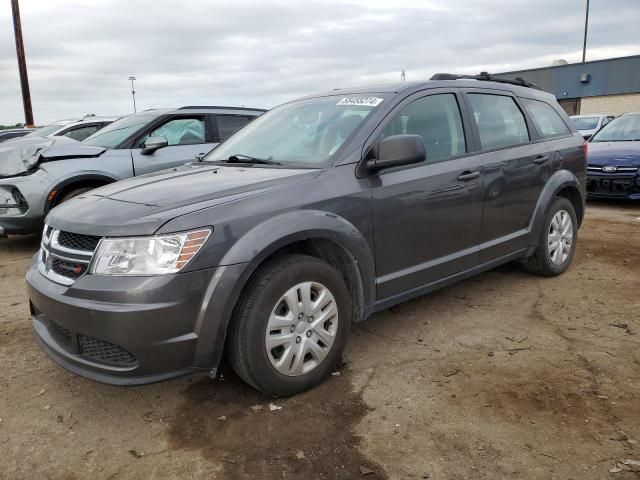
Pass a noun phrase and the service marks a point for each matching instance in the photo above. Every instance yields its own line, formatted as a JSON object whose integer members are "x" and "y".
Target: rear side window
{"x": 546, "y": 119}
{"x": 500, "y": 122}
{"x": 80, "y": 133}
{"x": 437, "y": 120}
{"x": 230, "y": 124}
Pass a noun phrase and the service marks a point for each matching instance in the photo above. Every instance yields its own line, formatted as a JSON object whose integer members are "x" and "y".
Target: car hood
{"x": 141, "y": 205}
{"x": 620, "y": 154}
{"x": 24, "y": 155}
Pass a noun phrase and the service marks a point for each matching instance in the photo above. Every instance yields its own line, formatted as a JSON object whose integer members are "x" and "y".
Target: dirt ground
{"x": 505, "y": 375}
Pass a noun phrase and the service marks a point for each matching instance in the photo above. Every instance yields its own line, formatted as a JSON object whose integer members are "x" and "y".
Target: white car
{"x": 587, "y": 125}
{"x": 75, "y": 128}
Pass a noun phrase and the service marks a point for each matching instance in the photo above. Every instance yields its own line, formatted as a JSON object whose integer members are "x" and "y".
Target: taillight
{"x": 585, "y": 149}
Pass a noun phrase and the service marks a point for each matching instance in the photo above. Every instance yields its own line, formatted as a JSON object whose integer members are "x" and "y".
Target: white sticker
{"x": 366, "y": 101}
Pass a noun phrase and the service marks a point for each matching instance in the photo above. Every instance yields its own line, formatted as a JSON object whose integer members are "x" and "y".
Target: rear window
{"x": 585, "y": 123}
{"x": 546, "y": 119}
{"x": 499, "y": 119}
{"x": 230, "y": 124}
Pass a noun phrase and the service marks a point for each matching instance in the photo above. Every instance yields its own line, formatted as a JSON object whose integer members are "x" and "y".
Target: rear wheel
{"x": 290, "y": 326}
{"x": 557, "y": 243}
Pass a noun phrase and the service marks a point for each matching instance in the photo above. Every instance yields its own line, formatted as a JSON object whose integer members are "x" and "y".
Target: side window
{"x": 81, "y": 133}
{"x": 181, "y": 131}
{"x": 230, "y": 124}
{"x": 437, "y": 120}
{"x": 546, "y": 119}
{"x": 500, "y": 122}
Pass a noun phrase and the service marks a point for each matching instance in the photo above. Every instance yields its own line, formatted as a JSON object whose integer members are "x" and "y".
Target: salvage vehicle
{"x": 614, "y": 160}
{"x": 587, "y": 125}
{"x": 39, "y": 177}
{"x": 316, "y": 215}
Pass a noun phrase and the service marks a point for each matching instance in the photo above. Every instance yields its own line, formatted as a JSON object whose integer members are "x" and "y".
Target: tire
{"x": 261, "y": 310}
{"x": 544, "y": 262}
{"x": 73, "y": 193}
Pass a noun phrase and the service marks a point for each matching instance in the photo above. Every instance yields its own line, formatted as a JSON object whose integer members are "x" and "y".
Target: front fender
{"x": 560, "y": 180}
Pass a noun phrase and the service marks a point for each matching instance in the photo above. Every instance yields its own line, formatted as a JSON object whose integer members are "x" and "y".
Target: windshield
{"x": 115, "y": 133}
{"x": 621, "y": 129}
{"x": 585, "y": 123}
{"x": 306, "y": 133}
{"x": 44, "y": 131}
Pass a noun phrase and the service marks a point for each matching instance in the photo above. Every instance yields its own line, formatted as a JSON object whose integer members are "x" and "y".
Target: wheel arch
{"x": 318, "y": 234}
{"x": 562, "y": 183}
{"x": 71, "y": 183}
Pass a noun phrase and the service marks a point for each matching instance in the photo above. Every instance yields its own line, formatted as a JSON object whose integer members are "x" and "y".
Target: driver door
{"x": 187, "y": 137}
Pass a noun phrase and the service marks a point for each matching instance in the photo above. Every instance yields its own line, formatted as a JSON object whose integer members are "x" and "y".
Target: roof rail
{"x": 486, "y": 77}
{"x": 189, "y": 107}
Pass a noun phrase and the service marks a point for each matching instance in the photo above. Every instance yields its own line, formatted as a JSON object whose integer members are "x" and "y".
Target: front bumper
{"x": 624, "y": 186}
{"x": 131, "y": 330}
{"x": 22, "y": 203}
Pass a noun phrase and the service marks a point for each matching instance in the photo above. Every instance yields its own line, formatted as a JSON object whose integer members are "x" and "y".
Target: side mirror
{"x": 398, "y": 150}
{"x": 152, "y": 144}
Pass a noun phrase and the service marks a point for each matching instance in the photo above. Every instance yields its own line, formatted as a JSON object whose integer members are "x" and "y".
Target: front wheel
{"x": 290, "y": 327}
{"x": 557, "y": 243}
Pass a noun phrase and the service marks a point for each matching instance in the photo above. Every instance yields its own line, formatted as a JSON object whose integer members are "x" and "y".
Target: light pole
{"x": 586, "y": 24}
{"x": 133, "y": 93}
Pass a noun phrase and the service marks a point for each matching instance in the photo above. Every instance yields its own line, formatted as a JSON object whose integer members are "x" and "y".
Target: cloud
{"x": 81, "y": 53}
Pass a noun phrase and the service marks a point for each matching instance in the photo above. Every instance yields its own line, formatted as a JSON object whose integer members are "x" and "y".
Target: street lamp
{"x": 133, "y": 93}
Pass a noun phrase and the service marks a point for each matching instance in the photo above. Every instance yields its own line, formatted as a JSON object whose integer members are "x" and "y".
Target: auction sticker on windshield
{"x": 368, "y": 101}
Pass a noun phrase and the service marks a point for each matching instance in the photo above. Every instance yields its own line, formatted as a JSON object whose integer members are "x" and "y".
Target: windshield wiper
{"x": 240, "y": 158}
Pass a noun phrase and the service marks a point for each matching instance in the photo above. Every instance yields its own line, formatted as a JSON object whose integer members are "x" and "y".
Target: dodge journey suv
{"x": 314, "y": 216}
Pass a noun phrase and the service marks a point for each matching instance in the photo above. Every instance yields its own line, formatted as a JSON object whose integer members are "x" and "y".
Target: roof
{"x": 410, "y": 87}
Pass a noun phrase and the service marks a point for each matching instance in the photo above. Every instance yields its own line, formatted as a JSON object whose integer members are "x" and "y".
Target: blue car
{"x": 614, "y": 159}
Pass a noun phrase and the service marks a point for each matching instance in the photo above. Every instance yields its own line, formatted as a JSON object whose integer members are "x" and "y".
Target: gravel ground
{"x": 504, "y": 375}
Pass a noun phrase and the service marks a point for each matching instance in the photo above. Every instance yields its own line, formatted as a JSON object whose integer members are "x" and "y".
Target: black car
{"x": 314, "y": 216}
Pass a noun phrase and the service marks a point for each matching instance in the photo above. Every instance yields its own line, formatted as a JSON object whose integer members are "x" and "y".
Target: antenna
{"x": 403, "y": 76}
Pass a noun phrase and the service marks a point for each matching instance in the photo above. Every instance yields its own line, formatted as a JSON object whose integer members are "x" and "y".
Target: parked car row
{"x": 311, "y": 217}
{"x": 37, "y": 174}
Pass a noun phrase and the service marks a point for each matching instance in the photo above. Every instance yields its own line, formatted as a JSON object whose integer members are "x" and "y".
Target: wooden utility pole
{"x": 22, "y": 65}
{"x": 586, "y": 25}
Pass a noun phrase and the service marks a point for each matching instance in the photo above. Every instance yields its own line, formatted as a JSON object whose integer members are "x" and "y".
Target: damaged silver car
{"x": 37, "y": 177}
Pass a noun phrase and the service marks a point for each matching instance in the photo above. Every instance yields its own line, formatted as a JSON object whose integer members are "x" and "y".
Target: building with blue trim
{"x": 610, "y": 86}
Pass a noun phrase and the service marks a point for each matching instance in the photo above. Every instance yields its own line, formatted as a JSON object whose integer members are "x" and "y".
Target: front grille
{"x": 610, "y": 185}
{"x": 75, "y": 241}
{"x": 105, "y": 352}
{"x": 65, "y": 256}
{"x": 68, "y": 269}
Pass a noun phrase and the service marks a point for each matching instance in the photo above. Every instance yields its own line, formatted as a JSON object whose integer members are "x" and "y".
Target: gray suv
{"x": 36, "y": 178}
{"x": 314, "y": 216}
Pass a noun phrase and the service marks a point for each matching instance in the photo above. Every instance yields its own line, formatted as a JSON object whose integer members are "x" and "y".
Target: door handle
{"x": 540, "y": 160}
{"x": 467, "y": 176}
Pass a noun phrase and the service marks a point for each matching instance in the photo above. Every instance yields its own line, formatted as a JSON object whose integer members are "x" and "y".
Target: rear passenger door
{"x": 427, "y": 216}
{"x": 514, "y": 159}
{"x": 187, "y": 137}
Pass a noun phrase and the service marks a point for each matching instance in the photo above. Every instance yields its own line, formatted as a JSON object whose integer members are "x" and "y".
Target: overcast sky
{"x": 261, "y": 53}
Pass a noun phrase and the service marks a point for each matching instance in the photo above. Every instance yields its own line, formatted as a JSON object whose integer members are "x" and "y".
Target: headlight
{"x": 148, "y": 255}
